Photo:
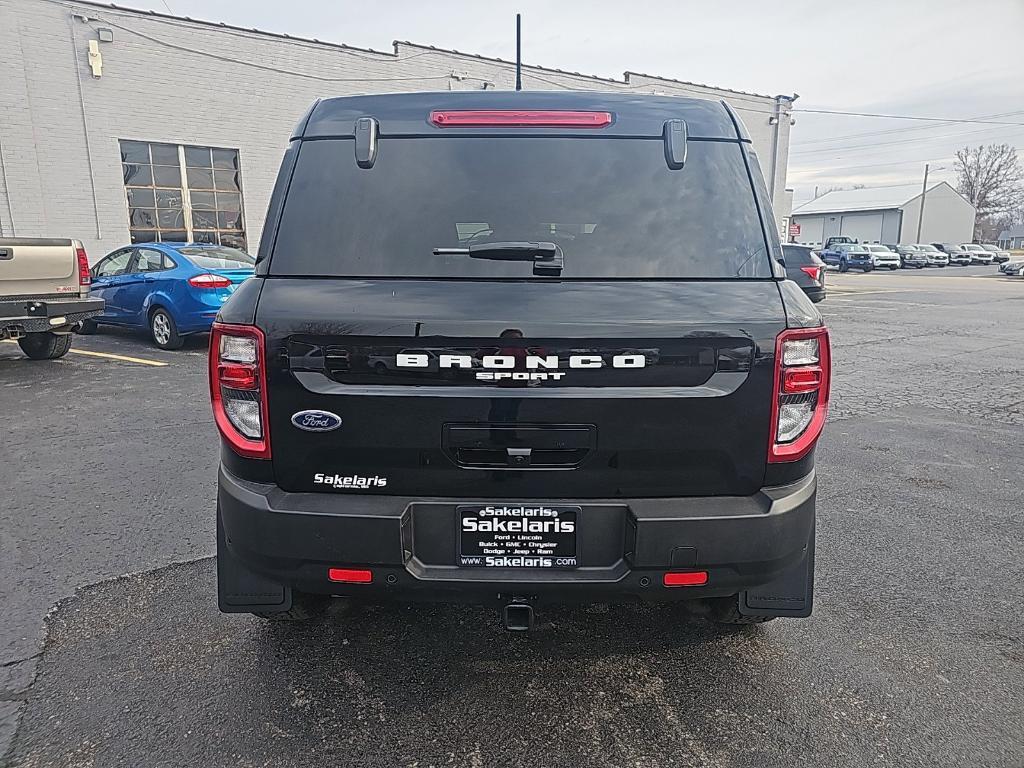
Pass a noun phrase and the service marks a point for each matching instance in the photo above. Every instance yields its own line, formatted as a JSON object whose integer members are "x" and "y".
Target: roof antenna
{"x": 519, "y": 59}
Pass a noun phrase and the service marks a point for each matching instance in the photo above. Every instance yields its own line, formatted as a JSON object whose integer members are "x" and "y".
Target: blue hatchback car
{"x": 171, "y": 289}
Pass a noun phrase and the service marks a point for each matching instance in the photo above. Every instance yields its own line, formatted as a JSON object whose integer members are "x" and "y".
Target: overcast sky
{"x": 934, "y": 58}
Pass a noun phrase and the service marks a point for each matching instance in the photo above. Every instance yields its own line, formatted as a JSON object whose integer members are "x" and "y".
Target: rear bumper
{"x": 197, "y": 322}
{"x": 625, "y": 545}
{"x": 33, "y": 316}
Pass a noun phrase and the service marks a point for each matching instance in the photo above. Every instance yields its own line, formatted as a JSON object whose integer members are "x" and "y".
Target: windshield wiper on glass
{"x": 546, "y": 257}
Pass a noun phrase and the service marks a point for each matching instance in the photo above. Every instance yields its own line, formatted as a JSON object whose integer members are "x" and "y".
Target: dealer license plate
{"x": 517, "y": 536}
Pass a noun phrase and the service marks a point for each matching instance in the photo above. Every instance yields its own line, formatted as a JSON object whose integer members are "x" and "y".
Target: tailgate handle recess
{"x": 515, "y": 446}
{"x": 519, "y": 457}
{"x": 6, "y": 254}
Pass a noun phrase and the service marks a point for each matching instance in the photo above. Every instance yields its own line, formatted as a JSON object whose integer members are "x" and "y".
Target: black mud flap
{"x": 791, "y": 594}
{"x": 239, "y": 590}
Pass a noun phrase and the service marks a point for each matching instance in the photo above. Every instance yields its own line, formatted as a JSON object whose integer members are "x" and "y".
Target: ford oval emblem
{"x": 316, "y": 421}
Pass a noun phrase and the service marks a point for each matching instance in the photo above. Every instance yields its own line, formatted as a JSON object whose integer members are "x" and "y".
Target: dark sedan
{"x": 805, "y": 269}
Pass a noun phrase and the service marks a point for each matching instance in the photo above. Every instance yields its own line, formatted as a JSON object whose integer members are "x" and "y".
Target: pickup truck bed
{"x": 44, "y": 292}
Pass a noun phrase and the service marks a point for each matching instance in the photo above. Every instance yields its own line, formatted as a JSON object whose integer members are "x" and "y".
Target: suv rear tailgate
{"x": 677, "y": 403}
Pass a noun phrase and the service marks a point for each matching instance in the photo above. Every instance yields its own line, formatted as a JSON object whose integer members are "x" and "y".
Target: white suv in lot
{"x": 883, "y": 257}
{"x": 978, "y": 254}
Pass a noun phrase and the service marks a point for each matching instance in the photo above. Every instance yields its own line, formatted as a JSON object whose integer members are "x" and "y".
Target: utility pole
{"x": 924, "y": 194}
{"x": 519, "y": 58}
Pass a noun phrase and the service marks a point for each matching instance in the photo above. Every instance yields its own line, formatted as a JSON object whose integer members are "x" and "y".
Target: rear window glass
{"x": 612, "y": 206}
{"x": 798, "y": 257}
{"x": 218, "y": 258}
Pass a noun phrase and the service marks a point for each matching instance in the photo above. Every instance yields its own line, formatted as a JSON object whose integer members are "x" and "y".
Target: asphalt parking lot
{"x": 113, "y": 652}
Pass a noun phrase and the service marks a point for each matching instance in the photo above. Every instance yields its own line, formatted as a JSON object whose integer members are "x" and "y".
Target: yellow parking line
{"x": 124, "y": 358}
{"x": 109, "y": 356}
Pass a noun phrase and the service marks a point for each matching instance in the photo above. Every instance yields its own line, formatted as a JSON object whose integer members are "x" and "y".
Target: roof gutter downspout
{"x": 780, "y": 111}
{"x": 85, "y": 124}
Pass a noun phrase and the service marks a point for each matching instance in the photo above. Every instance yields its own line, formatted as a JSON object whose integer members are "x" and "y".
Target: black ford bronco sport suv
{"x": 518, "y": 348}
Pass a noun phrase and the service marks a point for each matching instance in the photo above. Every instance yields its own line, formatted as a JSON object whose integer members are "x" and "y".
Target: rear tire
{"x": 305, "y": 607}
{"x": 45, "y": 345}
{"x": 164, "y": 330}
{"x": 87, "y": 327}
{"x": 892, "y": 269}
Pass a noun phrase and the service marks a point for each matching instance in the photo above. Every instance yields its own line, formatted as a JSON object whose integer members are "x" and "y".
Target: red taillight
{"x": 687, "y": 579}
{"x": 803, "y": 368}
{"x": 519, "y": 118}
{"x": 237, "y": 375}
{"x": 208, "y": 280}
{"x": 238, "y": 388}
{"x": 84, "y": 276}
{"x": 350, "y": 575}
{"x": 799, "y": 380}
{"x": 812, "y": 272}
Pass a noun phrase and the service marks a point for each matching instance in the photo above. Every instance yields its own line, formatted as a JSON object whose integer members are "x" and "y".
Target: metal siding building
{"x": 200, "y": 113}
{"x": 1012, "y": 238}
{"x": 887, "y": 215}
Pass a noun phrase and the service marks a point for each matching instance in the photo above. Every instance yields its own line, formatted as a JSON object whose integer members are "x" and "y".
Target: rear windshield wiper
{"x": 546, "y": 257}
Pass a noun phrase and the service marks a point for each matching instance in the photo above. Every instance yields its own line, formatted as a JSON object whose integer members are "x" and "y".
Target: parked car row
{"x": 846, "y": 254}
{"x": 866, "y": 257}
{"x": 920, "y": 255}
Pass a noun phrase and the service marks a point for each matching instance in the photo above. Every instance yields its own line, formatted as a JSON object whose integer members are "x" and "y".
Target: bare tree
{"x": 992, "y": 179}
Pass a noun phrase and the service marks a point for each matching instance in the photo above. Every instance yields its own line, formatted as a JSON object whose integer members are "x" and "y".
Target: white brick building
{"x": 83, "y": 86}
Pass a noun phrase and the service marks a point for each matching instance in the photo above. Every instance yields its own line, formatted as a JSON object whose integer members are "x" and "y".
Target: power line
{"x": 916, "y": 140}
{"x": 906, "y": 129}
{"x": 883, "y": 165}
{"x": 878, "y": 165}
{"x": 903, "y": 117}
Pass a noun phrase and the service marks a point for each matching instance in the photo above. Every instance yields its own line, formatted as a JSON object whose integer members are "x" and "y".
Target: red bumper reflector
{"x": 350, "y": 575}
{"x": 237, "y": 375}
{"x": 687, "y": 579}
{"x": 519, "y": 118}
{"x": 798, "y": 380}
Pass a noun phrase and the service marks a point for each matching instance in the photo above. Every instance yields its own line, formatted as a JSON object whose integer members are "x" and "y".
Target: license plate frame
{"x": 522, "y": 536}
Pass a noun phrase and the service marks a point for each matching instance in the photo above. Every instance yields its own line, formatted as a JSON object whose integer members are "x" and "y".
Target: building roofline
{"x": 826, "y": 211}
{"x": 886, "y": 207}
{"x": 216, "y": 25}
{"x": 553, "y": 70}
{"x": 394, "y": 53}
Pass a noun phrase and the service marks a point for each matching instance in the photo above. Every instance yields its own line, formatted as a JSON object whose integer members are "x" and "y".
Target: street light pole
{"x": 924, "y": 194}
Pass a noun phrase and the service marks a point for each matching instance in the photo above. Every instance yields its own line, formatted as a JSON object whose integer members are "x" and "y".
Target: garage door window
{"x": 181, "y": 193}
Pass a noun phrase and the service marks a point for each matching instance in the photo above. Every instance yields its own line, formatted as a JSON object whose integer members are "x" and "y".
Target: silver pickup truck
{"x": 44, "y": 292}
